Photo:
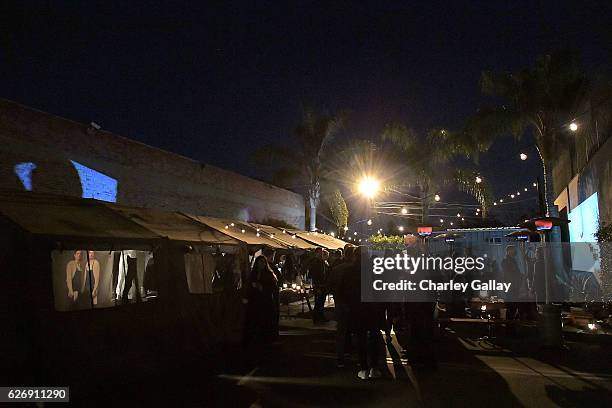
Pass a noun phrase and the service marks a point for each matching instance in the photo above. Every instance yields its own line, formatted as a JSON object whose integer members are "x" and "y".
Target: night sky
{"x": 214, "y": 83}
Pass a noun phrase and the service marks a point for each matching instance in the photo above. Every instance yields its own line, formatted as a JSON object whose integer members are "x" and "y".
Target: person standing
{"x": 317, "y": 270}
{"x": 336, "y": 285}
{"x": 366, "y": 319}
{"x": 512, "y": 275}
{"x": 263, "y": 305}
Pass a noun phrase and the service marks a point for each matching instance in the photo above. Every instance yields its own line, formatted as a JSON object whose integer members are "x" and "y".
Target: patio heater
{"x": 551, "y": 330}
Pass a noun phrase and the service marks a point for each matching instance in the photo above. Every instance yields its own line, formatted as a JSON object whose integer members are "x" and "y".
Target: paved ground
{"x": 299, "y": 371}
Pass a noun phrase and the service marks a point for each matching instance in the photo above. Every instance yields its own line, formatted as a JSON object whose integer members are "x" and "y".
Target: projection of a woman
{"x": 93, "y": 266}
{"x": 74, "y": 279}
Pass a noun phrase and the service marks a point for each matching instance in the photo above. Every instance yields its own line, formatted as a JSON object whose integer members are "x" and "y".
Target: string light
{"x": 523, "y": 156}
{"x": 404, "y": 211}
{"x": 437, "y": 197}
{"x": 346, "y": 227}
{"x": 535, "y": 184}
{"x": 458, "y": 215}
{"x": 369, "y": 222}
{"x": 355, "y": 233}
{"x": 400, "y": 228}
{"x": 573, "y": 126}
{"x": 232, "y": 224}
{"x": 511, "y": 195}
{"x": 478, "y": 179}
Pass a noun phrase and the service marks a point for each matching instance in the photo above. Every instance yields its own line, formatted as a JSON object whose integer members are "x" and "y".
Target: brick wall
{"x": 51, "y": 154}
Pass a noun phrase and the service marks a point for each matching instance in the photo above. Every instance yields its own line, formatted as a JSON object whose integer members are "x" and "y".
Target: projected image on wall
{"x": 95, "y": 184}
{"x": 582, "y": 228}
{"x": 24, "y": 172}
{"x": 584, "y": 219}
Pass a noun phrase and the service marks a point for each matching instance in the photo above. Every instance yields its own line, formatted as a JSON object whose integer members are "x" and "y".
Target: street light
{"x": 369, "y": 186}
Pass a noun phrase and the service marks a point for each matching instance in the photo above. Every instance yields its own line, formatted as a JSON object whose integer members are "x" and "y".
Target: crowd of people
{"x": 336, "y": 273}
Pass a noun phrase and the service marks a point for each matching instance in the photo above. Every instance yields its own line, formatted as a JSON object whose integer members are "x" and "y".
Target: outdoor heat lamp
{"x": 424, "y": 231}
{"x": 543, "y": 225}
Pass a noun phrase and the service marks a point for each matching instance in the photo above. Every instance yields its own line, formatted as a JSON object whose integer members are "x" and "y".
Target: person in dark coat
{"x": 512, "y": 275}
{"x": 263, "y": 304}
{"x": 317, "y": 269}
{"x": 336, "y": 284}
{"x": 366, "y": 320}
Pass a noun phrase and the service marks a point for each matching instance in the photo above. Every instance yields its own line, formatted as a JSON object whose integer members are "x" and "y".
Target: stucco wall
{"x": 51, "y": 154}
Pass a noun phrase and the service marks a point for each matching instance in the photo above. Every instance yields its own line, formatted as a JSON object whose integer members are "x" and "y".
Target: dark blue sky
{"x": 213, "y": 83}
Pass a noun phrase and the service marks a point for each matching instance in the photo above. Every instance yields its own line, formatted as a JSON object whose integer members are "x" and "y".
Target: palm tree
{"x": 305, "y": 166}
{"x": 543, "y": 99}
{"x": 429, "y": 164}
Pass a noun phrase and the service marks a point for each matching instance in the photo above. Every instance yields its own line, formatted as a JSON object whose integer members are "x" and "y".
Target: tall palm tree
{"x": 544, "y": 99}
{"x": 428, "y": 164}
{"x": 305, "y": 165}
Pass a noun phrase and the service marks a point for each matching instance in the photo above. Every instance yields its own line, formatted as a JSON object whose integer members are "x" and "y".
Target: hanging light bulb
{"x": 518, "y": 193}
{"x": 404, "y": 211}
{"x": 458, "y": 215}
{"x": 501, "y": 200}
{"x": 511, "y": 195}
{"x": 573, "y": 126}
{"x": 525, "y": 189}
{"x": 494, "y": 202}
{"x": 437, "y": 197}
{"x": 535, "y": 184}
{"x": 478, "y": 179}
{"x": 369, "y": 222}
{"x": 232, "y": 224}
{"x": 523, "y": 156}
{"x": 355, "y": 233}
{"x": 441, "y": 221}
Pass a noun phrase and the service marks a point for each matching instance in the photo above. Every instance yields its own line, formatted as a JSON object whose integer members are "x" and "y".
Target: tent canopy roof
{"x": 174, "y": 226}
{"x": 235, "y": 230}
{"x": 318, "y": 238}
{"x": 286, "y": 239}
{"x": 50, "y": 215}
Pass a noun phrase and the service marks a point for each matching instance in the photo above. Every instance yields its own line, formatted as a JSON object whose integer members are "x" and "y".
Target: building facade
{"x": 44, "y": 153}
{"x": 582, "y": 177}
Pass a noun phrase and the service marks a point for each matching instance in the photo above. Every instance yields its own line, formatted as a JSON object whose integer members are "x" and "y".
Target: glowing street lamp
{"x": 369, "y": 187}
